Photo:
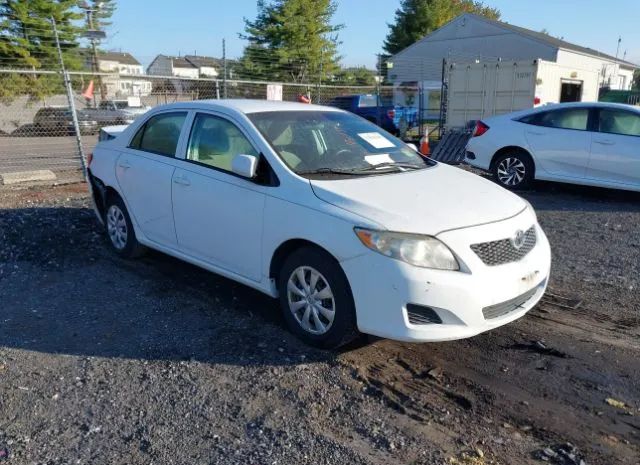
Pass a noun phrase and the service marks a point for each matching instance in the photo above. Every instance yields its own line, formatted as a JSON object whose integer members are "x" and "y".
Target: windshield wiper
{"x": 387, "y": 166}
{"x": 349, "y": 172}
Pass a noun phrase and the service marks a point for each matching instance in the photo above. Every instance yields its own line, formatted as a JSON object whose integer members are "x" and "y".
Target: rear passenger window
{"x": 160, "y": 134}
{"x": 619, "y": 122}
{"x": 573, "y": 118}
{"x": 215, "y": 142}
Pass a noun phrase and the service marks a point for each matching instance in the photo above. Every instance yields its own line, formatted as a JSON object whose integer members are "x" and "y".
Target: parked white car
{"x": 347, "y": 225}
{"x": 595, "y": 144}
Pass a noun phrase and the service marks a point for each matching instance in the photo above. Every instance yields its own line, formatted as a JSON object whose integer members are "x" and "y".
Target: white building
{"x": 470, "y": 38}
{"x": 190, "y": 66}
{"x": 126, "y": 69}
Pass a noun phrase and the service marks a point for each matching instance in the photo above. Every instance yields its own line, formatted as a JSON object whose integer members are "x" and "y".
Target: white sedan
{"x": 595, "y": 144}
{"x": 348, "y": 226}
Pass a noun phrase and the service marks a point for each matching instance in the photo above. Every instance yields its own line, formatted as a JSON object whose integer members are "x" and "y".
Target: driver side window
{"x": 215, "y": 142}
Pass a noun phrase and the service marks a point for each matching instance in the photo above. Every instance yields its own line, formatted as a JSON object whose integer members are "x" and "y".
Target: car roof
{"x": 247, "y": 106}
{"x": 620, "y": 106}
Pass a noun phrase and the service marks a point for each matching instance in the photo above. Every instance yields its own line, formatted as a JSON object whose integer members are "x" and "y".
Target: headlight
{"x": 417, "y": 250}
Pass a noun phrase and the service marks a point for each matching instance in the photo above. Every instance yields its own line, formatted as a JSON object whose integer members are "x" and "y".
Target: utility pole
{"x": 94, "y": 35}
{"x": 224, "y": 68}
{"x": 378, "y": 80}
{"x": 72, "y": 105}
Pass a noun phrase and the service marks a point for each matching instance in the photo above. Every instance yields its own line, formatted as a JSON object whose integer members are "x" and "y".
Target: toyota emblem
{"x": 518, "y": 240}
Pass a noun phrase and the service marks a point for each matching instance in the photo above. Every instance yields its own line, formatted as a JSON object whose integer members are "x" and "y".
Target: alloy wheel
{"x": 117, "y": 227}
{"x": 311, "y": 300}
{"x": 511, "y": 171}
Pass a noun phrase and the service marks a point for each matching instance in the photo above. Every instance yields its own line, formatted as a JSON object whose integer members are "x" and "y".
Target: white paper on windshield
{"x": 378, "y": 159}
{"x": 377, "y": 140}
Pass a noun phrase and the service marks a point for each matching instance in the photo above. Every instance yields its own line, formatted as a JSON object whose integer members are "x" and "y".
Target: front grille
{"x": 504, "y": 308}
{"x": 504, "y": 251}
{"x": 419, "y": 315}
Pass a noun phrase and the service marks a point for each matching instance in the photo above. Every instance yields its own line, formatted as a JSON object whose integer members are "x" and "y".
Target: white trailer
{"x": 480, "y": 90}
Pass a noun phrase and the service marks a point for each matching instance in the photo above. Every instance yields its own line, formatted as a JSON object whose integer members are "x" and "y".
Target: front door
{"x": 218, "y": 215}
{"x": 560, "y": 140}
{"x": 615, "y": 153}
{"x": 145, "y": 171}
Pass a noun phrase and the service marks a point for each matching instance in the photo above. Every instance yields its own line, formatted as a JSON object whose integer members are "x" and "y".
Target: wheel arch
{"x": 512, "y": 148}
{"x": 101, "y": 193}
{"x": 289, "y": 246}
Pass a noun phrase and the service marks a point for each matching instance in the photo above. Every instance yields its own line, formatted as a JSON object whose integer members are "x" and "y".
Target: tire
{"x": 119, "y": 229}
{"x": 338, "y": 315}
{"x": 514, "y": 170}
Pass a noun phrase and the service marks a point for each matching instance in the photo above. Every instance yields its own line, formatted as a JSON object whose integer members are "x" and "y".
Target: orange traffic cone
{"x": 88, "y": 93}
{"x": 425, "y": 150}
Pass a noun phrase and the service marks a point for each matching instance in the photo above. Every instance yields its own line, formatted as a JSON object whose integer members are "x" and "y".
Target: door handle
{"x": 124, "y": 164}
{"x": 182, "y": 181}
{"x": 535, "y": 133}
{"x": 604, "y": 142}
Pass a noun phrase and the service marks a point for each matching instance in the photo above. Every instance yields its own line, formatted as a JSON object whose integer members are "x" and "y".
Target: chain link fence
{"x": 37, "y": 129}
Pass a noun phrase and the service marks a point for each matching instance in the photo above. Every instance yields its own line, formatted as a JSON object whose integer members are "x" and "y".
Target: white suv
{"x": 348, "y": 226}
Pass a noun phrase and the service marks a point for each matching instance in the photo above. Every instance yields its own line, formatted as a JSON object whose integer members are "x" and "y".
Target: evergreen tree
{"x": 27, "y": 41}
{"x": 291, "y": 40}
{"x": 417, "y": 18}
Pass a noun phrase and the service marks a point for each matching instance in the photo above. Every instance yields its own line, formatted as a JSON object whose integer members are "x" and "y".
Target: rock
{"x": 615, "y": 403}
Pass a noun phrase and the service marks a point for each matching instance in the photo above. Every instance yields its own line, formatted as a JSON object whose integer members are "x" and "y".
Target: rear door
{"x": 615, "y": 153}
{"x": 144, "y": 171}
{"x": 560, "y": 140}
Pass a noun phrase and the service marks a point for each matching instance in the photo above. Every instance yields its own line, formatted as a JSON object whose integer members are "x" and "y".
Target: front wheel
{"x": 316, "y": 299}
{"x": 514, "y": 170}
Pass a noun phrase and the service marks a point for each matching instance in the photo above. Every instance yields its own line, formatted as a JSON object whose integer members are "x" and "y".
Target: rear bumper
{"x": 467, "y": 303}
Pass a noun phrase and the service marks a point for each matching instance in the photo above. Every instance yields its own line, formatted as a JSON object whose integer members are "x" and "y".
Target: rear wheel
{"x": 316, "y": 300}
{"x": 514, "y": 170}
{"x": 119, "y": 228}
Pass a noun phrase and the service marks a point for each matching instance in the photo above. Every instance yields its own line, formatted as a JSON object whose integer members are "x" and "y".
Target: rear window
{"x": 368, "y": 101}
{"x": 571, "y": 118}
{"x": 160, "y": 134}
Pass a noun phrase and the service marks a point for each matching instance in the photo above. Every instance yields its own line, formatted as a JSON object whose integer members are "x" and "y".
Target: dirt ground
{"x": 104, "y": 360}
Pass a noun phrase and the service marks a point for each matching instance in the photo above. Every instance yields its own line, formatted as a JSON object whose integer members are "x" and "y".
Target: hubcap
{"x": 511, "y": 171}
{"x": 311, "y": 300}
{"x": 117, "y": 227}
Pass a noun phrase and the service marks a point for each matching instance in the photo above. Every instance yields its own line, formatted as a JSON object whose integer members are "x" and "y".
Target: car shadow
{"x": 65, "y": 292}
{"x": 546, "y": 195}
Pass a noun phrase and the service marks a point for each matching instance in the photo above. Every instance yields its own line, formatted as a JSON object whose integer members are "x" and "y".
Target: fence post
{"x": 72, "y": 104}
{"x": 224, "y": 67}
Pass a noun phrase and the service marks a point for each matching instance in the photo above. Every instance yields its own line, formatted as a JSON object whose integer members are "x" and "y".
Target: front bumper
{"x": 383, "y": 287}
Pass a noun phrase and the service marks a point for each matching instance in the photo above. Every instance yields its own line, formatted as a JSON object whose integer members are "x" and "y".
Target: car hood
{"x": 428, "y": 201}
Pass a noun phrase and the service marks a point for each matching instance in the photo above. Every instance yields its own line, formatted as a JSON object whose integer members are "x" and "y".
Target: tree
{"x": 291, "y": 40}
{"x": 636, "y": 80}
{"x": 27, "y": 41}
{"x": 417, "y": 18}
{"x": 355, "y": 76}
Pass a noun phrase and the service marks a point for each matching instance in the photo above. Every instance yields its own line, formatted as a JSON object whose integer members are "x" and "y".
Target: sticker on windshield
{"x": 377, "y": 140}
{"x": 378, "y": 159}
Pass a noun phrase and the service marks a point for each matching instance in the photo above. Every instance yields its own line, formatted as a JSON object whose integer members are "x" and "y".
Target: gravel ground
{"x": 155, "y": 361}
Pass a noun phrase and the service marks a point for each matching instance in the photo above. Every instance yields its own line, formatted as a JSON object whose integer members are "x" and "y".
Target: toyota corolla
{"x": 350, "y": 228}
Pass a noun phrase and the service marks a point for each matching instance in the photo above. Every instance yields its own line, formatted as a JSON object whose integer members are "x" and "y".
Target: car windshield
{"x": 335, "y": 143}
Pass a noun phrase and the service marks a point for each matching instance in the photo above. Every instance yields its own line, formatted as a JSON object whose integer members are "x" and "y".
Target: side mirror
{"x": 413, "y": 146}
{"x": 245, "y": 165}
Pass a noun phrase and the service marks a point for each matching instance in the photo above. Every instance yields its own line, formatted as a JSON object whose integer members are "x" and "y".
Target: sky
{"x": 147, "y": 28}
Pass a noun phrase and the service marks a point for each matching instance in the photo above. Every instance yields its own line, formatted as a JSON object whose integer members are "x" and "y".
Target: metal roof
{"x": 554, "y": 41}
